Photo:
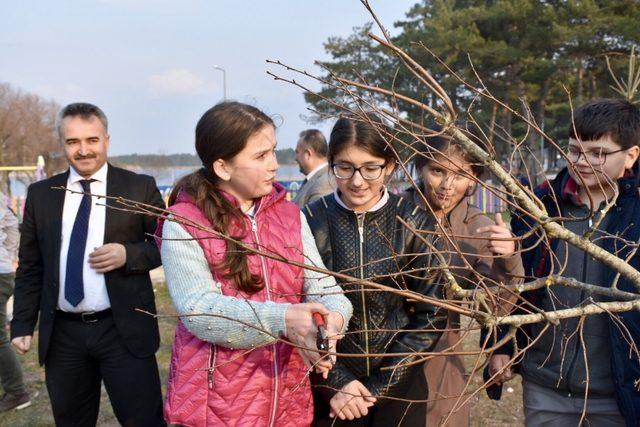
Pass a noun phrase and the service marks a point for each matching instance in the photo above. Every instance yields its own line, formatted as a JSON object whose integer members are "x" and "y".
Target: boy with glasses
{"x": 589, "y": 364}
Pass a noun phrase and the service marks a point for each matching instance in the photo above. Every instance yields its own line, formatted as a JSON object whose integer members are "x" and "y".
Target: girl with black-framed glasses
{"x": 366, "y": 232}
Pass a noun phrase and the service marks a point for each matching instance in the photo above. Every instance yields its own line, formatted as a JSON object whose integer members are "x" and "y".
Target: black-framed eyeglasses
{"x": 367, "y": 172}
{"x": 596, "y": 157}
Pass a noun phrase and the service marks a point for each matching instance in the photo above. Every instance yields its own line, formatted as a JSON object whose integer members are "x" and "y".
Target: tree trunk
{"x": 580, "y": 82}
{"x": 593, "y": 86}
{"x": 492, "y": 123}
{"x": 545, "y": 149}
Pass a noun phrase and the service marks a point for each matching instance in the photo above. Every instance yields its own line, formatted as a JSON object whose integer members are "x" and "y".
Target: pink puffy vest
{"x": 212, "y": 385}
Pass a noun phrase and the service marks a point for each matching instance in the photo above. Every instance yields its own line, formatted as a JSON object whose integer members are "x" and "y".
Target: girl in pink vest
{"x": 233, "y": 362}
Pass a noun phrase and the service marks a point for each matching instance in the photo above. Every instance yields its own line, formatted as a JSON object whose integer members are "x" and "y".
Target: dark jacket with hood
{"x": 557, "y": 359}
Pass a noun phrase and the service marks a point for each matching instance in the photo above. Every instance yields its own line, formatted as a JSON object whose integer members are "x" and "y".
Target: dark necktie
{"x": 74, "y": 284}
{"x": 303, "y": 183}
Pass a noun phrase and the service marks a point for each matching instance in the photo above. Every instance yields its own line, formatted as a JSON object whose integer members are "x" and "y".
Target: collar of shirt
{"x": 315, "y": 171}
{"x": 570, "y": 189}
{"x": 100, "y": 175}
{"x": 383, "y": 201}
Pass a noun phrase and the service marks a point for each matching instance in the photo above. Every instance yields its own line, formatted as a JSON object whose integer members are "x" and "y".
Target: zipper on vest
{"x": 360, "y": 220}
{"x": 254, "y": 229}
{"x": 210, "y": 365}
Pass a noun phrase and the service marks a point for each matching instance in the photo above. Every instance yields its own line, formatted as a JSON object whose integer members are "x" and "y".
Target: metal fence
{"x": 488, "y": 201}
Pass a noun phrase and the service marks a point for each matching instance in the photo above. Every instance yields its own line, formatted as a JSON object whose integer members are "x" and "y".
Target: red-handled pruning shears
{"x": 322, "y": 340}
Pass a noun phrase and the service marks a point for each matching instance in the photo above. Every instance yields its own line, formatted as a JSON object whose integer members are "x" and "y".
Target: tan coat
{"x": 446, "y": 375}
{"x": 320, "y": 184}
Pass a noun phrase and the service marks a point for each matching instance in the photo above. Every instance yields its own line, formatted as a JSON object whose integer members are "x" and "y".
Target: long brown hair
{"x": 222, "y": 132}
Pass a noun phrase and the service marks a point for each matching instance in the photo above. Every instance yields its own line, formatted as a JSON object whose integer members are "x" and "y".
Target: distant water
{"x": 168, "y": 176}
{"x": 290, "y": 173}
{"x": 165, "y": 177}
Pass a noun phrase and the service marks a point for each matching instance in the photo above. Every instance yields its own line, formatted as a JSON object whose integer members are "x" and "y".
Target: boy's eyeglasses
{"x": 596, "y": 157}
{"x": 367, "y": 172}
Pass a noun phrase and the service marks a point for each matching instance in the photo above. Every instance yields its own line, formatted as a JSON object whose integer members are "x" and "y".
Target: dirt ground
{"x": 485, "y": 412}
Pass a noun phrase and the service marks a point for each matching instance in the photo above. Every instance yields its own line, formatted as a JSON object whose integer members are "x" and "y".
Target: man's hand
{"x": 108, "y": 257}
{"x": 500, "y": 364}
{"x": 22, "y": 344}
{"x": 353, "y": 401}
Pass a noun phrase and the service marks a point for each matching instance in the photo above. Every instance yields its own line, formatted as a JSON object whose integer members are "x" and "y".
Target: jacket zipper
{"x": 211, "y": 364}
{"x": 254, "y": 229}
{"x": 585, "y": 260}
{"x": 360, "y": 221}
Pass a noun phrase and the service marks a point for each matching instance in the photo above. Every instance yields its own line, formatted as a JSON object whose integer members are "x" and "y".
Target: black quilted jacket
{"x": 374, "y": 246}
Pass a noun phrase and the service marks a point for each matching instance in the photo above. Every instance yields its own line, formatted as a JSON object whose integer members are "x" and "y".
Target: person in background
{"x": 475, "y": 248}
{"x": 15, "y": 395}
{"x": 311, "y": 155}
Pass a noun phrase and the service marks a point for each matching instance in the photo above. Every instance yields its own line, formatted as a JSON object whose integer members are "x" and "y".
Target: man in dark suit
{"x": 311, "y": 155}
{"x": 83, "y": 271}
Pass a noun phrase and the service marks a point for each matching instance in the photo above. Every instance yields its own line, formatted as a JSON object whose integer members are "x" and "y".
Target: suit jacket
{"x": 320, "y": 184}
{"x": 129, "y": 287}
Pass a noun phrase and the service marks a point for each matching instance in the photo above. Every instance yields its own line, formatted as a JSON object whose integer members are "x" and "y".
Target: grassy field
{"x": 39, "y": 413}
{"x": 485, "y": 412}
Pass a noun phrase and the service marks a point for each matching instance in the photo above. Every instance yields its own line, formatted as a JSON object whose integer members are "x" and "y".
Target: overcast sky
{"x": 149, "y": 63}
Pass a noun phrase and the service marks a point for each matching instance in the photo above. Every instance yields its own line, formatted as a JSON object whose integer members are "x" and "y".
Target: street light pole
{"x": 224, "y": 81}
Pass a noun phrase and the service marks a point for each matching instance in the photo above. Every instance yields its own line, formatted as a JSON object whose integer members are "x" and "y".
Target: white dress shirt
{"x": 315, "y": 171}
{"x": 95, "y": 289}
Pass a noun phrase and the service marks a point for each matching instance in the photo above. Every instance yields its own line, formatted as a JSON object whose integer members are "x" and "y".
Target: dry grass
{"x": 485, "y": 412}
{"x": 39, "y": 413}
